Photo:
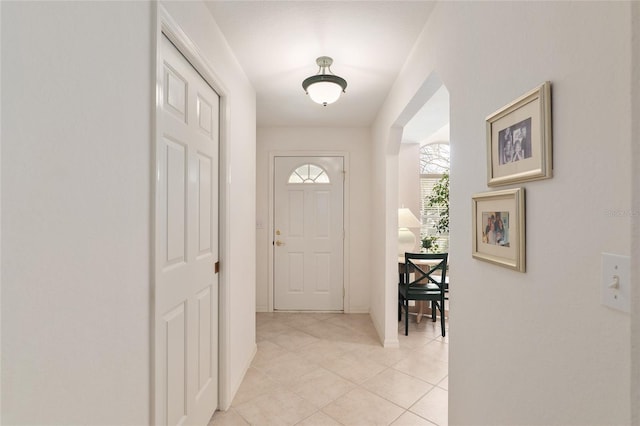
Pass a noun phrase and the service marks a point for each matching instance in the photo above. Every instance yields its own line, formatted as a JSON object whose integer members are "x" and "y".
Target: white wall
{"x": 0, "y": 220}
{"x": 384, "y": 233}
{"x": 532, "y": 348}
{"x": 356, "y": 143}
{"x": 409, "y": 181}
{"x": 78, "y": 93}
{"x": 76, "y": 105}
{"x": 635, "y": 217}
{"x": 237, "y": 262}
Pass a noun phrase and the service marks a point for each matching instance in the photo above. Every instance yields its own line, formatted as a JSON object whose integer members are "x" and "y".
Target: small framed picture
{"x": 519, "y": 139}
{"x": 499, "y": 228}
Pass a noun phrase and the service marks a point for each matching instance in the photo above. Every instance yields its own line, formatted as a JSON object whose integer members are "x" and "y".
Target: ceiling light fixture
{"x": 325, "y": 87}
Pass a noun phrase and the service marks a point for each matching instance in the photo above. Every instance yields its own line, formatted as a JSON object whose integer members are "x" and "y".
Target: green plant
{"x": 440, "y": 198}
{"x": 429, "y": 243}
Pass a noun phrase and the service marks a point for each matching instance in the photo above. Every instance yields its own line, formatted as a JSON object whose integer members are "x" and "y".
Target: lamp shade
{"x": 406, "y": 238}
{"x": 406, "y": 219}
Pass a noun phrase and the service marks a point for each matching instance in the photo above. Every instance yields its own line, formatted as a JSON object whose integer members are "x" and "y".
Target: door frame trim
{"x": 165, "y": 24}
{"x": 346, "y": 272}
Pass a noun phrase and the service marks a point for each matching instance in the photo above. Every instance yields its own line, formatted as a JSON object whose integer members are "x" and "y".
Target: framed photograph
{"x": 519, "y": 139}
{"x": 499, "y": 228}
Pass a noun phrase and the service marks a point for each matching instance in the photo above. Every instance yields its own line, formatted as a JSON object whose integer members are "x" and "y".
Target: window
{"x": 434, "y": 159}
{"x": 309, "y": 173}
{"x": 434, "y": 164}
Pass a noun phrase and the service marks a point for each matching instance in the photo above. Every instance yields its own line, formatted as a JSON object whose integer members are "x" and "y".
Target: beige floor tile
{"x": 413, "y": 340}
{"x": 343, "y": 332}
{"x": 444, "y": 383}
{"x": 293, "y": 339}
{"x": 359, "y": 345}
{"x": 433, "y": 407}
{"x": 319, "y": 419}
{"x": 359, "y": 322}
{"x": 426, "y": 327}
{"x": 419, "y": 334}
{"x": 429, "y": 370}
{"x": 361, "y": 407}
{"x": 267, "y": 352}
{"x": 410, "y": 419}
{"x": 329, "y": 368}
{"x": 270, "y": 329}
{"x": 435, "y": 349}
{"x": 324, "y": 330}
{"x": 320, "y": 351}
{"x": 288, "y": 369}
{"x": 283, "y": 317}
{"x": 321, "y": 386}
{"x": 324, "y": 316}
{"x": 227, "y": 418}
{"x": 354, "y": 368}
{"x": 255, "y": 384}
{"x": 367, "y": 338}
{"x": 397, "y": 387}
{"x": 301, "y": 320}
{"x": 386, "y": 356}
{"x": 273, "y": 357}
{"x": 443, "y": 339}
{"x": 356, "y": 345}
{"x": 283, "y": 408}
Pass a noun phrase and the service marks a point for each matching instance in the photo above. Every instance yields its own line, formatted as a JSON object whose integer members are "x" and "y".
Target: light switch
{"x": 616, "y": 286}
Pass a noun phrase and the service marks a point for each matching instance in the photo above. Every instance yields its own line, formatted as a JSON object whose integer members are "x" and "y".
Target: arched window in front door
{"x": 309, "y": 173}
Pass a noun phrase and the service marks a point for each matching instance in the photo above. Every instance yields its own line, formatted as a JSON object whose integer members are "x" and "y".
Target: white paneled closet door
{"x": 186, "y": 247}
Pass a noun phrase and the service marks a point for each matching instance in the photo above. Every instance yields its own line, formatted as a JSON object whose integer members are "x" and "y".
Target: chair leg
{"x": 442, "y": 316}
{"x": 433, "y": 311}
{"x": 406, "y": 317}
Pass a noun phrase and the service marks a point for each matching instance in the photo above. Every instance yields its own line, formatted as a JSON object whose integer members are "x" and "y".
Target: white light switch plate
{"x": 615, "y": 281}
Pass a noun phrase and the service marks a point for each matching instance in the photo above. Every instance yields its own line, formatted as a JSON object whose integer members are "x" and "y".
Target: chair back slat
{"x": 426, "y": 267}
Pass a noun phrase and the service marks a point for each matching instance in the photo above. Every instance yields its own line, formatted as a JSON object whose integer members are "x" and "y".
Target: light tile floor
{"x": 330, "y": 369}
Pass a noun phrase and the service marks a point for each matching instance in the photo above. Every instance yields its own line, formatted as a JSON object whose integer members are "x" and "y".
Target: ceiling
{"x": 277, "y": 43}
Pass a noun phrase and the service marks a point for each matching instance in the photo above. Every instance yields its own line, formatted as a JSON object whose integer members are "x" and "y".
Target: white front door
{"x": 308, "y": 233}
{"x": 186, "y": 246}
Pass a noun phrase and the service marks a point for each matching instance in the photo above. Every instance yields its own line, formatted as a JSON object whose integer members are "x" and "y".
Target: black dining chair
{"x": 424, "y": 278}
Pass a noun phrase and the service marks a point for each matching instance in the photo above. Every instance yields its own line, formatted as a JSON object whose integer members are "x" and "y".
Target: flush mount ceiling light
{"x": 325, "y": 87}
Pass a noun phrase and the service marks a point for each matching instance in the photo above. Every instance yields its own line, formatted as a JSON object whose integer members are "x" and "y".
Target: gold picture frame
{"x": 499, "y": 228}
{"x": 519, "y": 146}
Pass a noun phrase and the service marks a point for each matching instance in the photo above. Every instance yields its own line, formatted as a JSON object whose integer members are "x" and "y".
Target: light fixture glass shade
{"x": 324, "y": 92}
{"x": 325, "y": 87}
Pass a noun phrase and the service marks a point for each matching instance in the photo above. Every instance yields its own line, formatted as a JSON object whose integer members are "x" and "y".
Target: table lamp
{"x": 406, "y": 238}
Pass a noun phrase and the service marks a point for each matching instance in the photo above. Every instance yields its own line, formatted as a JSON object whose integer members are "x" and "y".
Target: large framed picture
{"x": 499, "y": 228}
{"x": 519, "y": 139}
